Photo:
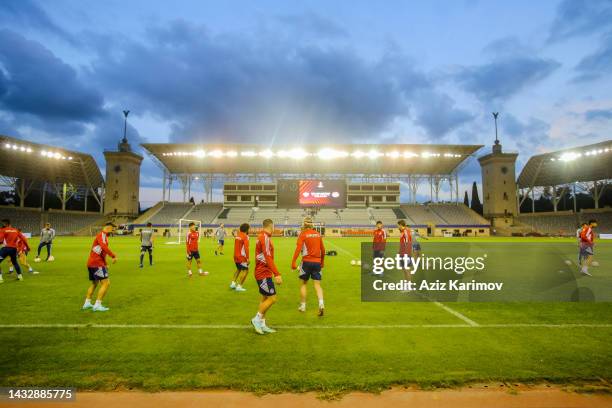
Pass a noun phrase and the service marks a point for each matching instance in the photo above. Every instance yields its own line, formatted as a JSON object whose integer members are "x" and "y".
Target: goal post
{"x": 183, "y": 224}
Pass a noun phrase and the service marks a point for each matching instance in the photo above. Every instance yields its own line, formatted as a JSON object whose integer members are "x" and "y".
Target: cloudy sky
{"x": 291, "y": 72}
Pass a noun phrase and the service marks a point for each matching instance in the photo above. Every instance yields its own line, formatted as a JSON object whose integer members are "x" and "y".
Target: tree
{"x": 476, "y": 205}
{"x": 466, "y": 200}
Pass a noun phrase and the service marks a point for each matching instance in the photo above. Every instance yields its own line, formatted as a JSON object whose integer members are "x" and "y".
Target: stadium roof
{"x": 311, "y": 159}
{"x": 584, "y": 163}
{"x": 33, "y": 161}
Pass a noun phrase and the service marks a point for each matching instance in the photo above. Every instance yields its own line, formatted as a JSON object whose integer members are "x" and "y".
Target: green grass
{"x": 296, "y": 358}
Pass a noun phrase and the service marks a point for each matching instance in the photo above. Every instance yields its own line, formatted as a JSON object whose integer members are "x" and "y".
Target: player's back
{"x": 10, "y": 236}
{"x": 241, "y": 247}
{"x": 312, "y": 245}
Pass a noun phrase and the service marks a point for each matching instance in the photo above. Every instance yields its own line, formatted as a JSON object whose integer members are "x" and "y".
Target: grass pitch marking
{"x": 304, "y": 327}
{"x": 455, "y": 313}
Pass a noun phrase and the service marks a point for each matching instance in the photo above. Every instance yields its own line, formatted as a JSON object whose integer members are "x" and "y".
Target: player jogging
{"x": 265, "y": 269}
{"x": 379, "y": 242}
{"x": 97, "y": 268}
{"x": 310, "y": 246}
{"x": 22, "y": 255}
{"x": 220, "y": 236}
{"x": 147, "y": 236}
{"x": 578, "y": 232}
{"x": 405, "y": 246}
{"x": 47, "y": 235}
{"x": 587, "y": 243}
{"x": 192, "y": 249}
{"x": 241, "y": 258}
{"x": 416, "y": 245}
{"x": 11, "y": 236}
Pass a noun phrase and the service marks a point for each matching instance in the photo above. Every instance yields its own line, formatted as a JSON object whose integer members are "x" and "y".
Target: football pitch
{"x": 166, "y": 331}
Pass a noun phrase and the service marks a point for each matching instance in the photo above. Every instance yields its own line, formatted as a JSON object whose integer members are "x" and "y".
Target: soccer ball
{"x": 595, "y": 263}
{"x": 568, "y": 262}
{"x": 353, "y": 262}
{"x": 51, "y": 259}
{"x": 37, "y": 259}
{"x": 359, "y": 262}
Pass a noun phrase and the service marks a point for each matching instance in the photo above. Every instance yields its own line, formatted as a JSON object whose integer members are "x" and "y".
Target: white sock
{"x": 30, "y": 269}
{"x": 88, "y": 301}
{"x": 199, "y": 270}
{"x": 259, "y": 317}
{"x": 303, "y": 305}
{"x": 98, "y": 303}
{"x": 321, "y": 303}
{"x": 239, "y": 286}
{"x": 11, "y": 269}
{"x": 584, "y": 268}
{"x": 234, "y": 283}
{"x": 189, "y": 271}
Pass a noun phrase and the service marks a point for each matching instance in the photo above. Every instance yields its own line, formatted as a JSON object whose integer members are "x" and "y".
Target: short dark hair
{"x": 110, "y": 224}
{"x": 584, "y": 223}
{"x": 149, "y": 224}
{"x": 378, "y": 222}
{"x": 244, "y": 227}
{"x": 6, "y": 221}
{"x": 402, "y": 223}
{"x": 191, "y": 224}
{"x": 267, "y": 222}
{"x": 592, "y": 221}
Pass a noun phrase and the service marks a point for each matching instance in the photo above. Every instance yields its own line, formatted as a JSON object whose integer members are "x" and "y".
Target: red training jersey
{"x": 310, "y": 245}
{"x": 99, "y": 250}
{"x": 264, "y": 257}
{"x": 192, "y": 241}
{"x": 380, "y": 239}
{"x": 241, "y": 248}
{"x": 405, "y": 242}
{"x": 587, "y": 236}
{"x": 11, "y": 236}
{"x": 22, "y": 245}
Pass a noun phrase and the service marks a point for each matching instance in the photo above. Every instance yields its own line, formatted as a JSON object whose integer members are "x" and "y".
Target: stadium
{"x": 173, "y": 332}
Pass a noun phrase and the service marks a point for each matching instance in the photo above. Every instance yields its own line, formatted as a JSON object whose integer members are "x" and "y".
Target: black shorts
{"x": 266, "y": 286}
{"x": 310, "y": 270}
{"x": 193, "y": 255}
{"x": 221, "y": 242}
{"x": 416, "y": 246}
{"x": 144, "y": 248}
{"x": 97, "y": 273}
{"x": 242, "y": 266}
{"x": 378, "y": 253}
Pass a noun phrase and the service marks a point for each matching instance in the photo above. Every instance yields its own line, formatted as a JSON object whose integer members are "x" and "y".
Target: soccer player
{"x": 265, "y": 269}
{"x": 241, "y": 258}
{"x": 405, "y": 247}
{"x": 147, "y": 236}
{"x": 47, "y": 235}
{"x": 22, "y": 254}
{"x": 587, "y": 242}
{"x": 11, "y": 236}
{"x": 416, "y": 245}
{"x": 379, "y": 242}
{"x": 310, "y": 246}
{"x": 220, "y": 235}
{"x": 97, "y": 268}
{"x": 578, "y": 232}
{"x": 192, "y": 249}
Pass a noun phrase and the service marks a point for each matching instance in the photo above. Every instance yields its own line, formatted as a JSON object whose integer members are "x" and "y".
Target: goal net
{"x": 184, "y": 227}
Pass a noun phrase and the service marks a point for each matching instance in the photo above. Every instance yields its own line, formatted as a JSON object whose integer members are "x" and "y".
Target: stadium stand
{"x": 457, "y": 214}
{"x": 355, "y": 216}
{"x": 236, "y": 216}
{"x": 206, "y": 212}
{"x": 565, "y": 223}
{"x": 276, "y": 215}
{"x": 27, "y": 219}
{"x": 421, "y": 215}
{"x": 386, "y": 215}
{"x": 170, "y": 213}
{"x": 66, "y": 223}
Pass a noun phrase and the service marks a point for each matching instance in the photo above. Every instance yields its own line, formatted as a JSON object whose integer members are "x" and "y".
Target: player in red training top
{"x": 265, "y": 269}
{"x": 241, "y": 258}
{"x": 193, "y": 236}
{"x": 405, "y": 246}
{"x": 587, "y": 243}
{"x": 310, "y": 246}
{"x": 22, "y": 254}
{"x": 379, "y": 242}
{"x": 98, "y": 272}
{"x": 11, "y": 236}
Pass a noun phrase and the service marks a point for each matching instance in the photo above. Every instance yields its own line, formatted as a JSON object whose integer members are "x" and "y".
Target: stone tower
{"x": 499, "y": 185}
{"x": 122, "y": 181}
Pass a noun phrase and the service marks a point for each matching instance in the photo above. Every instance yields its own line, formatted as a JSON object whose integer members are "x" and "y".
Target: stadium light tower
{"x": 495, "y": 115}
{"x": 125, "y": 114}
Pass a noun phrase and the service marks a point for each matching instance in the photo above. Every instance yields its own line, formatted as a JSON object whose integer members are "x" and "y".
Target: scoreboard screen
{"x": 311, "y": 193}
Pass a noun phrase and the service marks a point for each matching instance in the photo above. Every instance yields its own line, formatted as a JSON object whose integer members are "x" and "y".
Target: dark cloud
{"x": 36, "y": 82}
{"x": 26, "y": 13}
{"x": 580, "y": 17}
{"x": 598, "y": 114}
{"x": 503, "y": 77}
{"x": 526, "y": 135}
{"x": 438, "y": 115}
{"x": 598, "y": 64}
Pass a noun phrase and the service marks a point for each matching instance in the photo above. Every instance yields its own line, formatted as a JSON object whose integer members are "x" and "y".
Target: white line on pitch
{"x": 301, "y": 327}
{"x": 444, "y": 307}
